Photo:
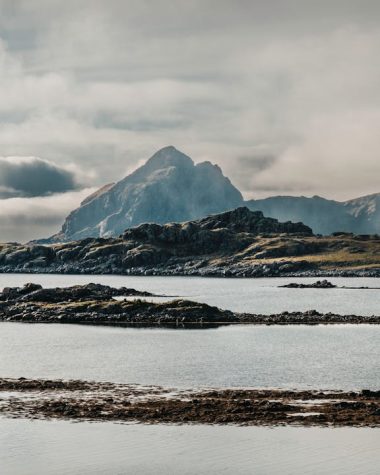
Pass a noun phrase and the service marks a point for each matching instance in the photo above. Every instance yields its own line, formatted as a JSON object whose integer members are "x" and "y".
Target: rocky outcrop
{"x": 77, "y": 293}
{"x": 320, "y": 284}
{"x": 238, "y": 243}
{"x": 168, "y": 187}
{"x": 231, "y": 243}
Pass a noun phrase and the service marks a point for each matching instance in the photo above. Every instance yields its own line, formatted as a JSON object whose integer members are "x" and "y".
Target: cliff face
{"x": 169, "y": 187}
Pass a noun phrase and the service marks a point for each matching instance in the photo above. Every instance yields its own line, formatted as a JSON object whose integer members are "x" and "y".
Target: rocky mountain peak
{"x": 167, "y": 157}
{"x": 169, "y": 187}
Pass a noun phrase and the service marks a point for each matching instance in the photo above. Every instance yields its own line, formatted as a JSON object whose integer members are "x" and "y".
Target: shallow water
{"x": 63, "y": 448}
{"x": 241, "y": 295}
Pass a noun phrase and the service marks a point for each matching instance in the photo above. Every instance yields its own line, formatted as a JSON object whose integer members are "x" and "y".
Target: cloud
{"x": 292, "y": 86}
{"x": 24, "y": 219}
{"x": 32, "y": 176}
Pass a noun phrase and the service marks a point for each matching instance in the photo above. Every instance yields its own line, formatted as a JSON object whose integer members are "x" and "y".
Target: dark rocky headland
{"x": 238, "y": 243}
{"x": 96, "y": 304}
{"x": 92, "y": 401}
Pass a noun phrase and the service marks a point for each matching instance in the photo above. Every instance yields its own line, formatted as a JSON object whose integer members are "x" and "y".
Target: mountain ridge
{"x": 170, "y": 187}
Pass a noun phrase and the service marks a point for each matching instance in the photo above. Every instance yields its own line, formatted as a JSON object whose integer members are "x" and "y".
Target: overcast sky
{"x": 283, "y": 94}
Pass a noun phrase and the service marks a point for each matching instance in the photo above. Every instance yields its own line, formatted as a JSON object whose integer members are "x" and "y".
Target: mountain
{"x": 322, "y": 215}
{"x": 168, "y": 187}
{"x": 360, "y": 216}
{"x": 366, "y": 211}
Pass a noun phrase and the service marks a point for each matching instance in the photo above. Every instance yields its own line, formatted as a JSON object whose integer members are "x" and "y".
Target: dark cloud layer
{"x": 31, "y": 177}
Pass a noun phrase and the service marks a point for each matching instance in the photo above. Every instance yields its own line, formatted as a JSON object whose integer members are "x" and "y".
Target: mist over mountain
{"x": 170, "y": 187}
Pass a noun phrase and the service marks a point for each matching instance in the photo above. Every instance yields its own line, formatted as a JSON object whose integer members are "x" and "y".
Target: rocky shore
{"x": 238, "y": 243}
{"x": 92, "y": 401}
{"x": 96, "y": 304}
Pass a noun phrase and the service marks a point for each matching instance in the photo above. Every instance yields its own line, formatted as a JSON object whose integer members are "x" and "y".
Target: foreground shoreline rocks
{"x": 95, "y": 304}
{"x": 93, "y": 401}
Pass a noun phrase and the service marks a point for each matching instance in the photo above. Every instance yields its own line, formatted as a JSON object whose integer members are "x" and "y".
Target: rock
{"x": 36, "y": 293}
{"x": 320, "y": 284}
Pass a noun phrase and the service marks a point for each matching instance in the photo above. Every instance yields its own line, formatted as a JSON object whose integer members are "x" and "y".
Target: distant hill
{"x": 170, "y": 187}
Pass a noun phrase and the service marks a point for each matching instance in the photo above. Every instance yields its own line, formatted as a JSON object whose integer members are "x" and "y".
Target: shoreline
{"x": 79, "y": 400}
{"x": 221, "y": 273}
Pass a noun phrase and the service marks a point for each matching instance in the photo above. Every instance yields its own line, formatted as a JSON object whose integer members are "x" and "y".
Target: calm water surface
{"x": 341, "y": 357}
{"x": 62, "y": 448}
{"x": 242, "y": 295}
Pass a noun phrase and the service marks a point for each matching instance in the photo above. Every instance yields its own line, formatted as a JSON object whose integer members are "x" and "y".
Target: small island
{"x": 95, "y": 304}
{"x": 320, "y": 284}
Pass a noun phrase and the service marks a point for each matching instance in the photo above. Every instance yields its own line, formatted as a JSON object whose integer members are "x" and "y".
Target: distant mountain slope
{"x": 322, "y": 215}
{"x": 366, "y": 211}
{"x": 360, "y": 216}
{"x": 168, "y": 187}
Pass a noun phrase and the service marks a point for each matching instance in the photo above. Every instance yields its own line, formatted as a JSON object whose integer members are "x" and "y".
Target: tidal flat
{"x": 101, "y": 401}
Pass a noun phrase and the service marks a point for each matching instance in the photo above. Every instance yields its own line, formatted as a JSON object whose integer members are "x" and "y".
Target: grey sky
{"x": 284, "y": 95}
